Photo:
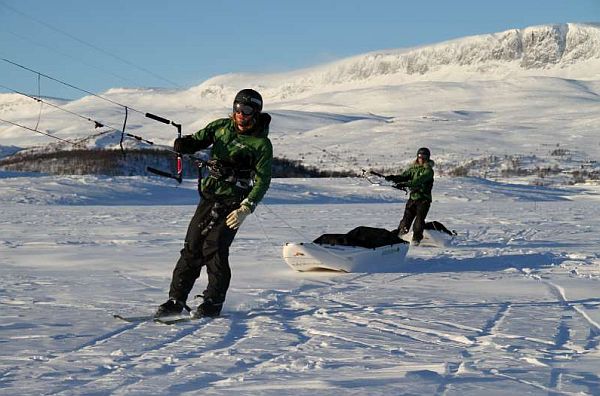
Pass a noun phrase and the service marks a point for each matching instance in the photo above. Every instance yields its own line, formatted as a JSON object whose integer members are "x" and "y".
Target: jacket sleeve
{"x": 420, "y": 181}
{"x": 262, "y": 175}
{"x": 401, "y": 178}
{"x": 206, "y": 136}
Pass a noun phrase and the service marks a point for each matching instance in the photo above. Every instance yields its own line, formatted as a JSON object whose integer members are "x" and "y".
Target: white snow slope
{"x": 512, "y": 307}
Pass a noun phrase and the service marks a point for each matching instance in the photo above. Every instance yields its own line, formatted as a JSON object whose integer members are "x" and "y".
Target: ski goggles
{"x": 421, "y": 155}
{"x": 242, "y": 108}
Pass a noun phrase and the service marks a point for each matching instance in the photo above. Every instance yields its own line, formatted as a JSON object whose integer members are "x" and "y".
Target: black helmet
{"x": 249, "y": 97}
{"x": 424, "y": 153}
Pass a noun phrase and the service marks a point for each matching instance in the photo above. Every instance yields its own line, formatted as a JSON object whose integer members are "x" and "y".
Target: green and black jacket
{"x": 250, "y": 152}
{"x": 418, "y": 179}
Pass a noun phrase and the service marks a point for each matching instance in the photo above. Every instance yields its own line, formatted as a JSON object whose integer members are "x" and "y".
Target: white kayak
{"x": 312, "y": 256}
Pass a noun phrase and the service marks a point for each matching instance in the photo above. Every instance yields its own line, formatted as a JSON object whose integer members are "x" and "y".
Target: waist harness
{"x": 241, "y": 178}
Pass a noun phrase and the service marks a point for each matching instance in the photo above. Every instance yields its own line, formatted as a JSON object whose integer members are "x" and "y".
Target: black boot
{"x": 209, "y": 308}
{"x": 170, "y": 308}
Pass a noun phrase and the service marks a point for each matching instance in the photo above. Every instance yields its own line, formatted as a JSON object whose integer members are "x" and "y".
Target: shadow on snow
{"x": 476, "y": 264}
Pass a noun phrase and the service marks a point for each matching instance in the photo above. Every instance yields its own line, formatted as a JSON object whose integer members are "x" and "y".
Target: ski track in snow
{"x": 506, "y": 307}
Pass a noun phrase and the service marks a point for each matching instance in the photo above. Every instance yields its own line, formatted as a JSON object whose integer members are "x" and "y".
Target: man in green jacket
{"x": 239, "y": 176}
{"x": 418, "y": 178}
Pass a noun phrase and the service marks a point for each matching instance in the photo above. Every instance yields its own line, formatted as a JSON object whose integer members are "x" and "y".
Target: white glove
{"x": 234, "y": 219}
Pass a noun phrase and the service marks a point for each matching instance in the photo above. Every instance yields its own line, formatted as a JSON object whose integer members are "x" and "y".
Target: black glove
{"x": 187, "y": 145}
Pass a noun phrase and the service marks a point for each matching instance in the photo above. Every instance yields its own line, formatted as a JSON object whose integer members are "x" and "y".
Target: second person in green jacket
{"x": 418, "y": 178}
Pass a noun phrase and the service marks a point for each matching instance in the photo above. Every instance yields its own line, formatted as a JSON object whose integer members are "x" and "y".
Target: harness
{"x": 241, "y": 178}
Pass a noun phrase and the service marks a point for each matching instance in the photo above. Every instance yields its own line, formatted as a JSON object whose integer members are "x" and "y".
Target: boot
{"x": 169, "y": 308}
{"x": 209, "y": 308}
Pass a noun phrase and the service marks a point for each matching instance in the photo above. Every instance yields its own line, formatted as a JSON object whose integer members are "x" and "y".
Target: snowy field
{"x": 512, "y": 307}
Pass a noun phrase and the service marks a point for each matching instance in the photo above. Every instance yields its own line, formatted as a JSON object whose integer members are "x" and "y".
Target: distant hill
{"x": 562, "y": 50}
{"x": 494, "y": 104}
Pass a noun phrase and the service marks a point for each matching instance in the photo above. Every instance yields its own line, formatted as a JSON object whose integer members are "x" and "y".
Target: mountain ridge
{"x": 552, "y": 50}
{"x": 568, "y": 50}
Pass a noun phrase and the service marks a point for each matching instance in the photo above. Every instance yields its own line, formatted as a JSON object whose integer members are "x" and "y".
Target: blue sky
{"x": 101, "y": 44}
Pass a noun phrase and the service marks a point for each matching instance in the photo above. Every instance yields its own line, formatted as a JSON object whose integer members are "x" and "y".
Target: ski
{"x": 172, "y": 321}
{"x": 166, "y": 320}
{"x": 151, "y": 318}
{"x": 133, "y": 319}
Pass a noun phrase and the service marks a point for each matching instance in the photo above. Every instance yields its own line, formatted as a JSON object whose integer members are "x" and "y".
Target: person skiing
{"x": 239, "y": 176}
{"x": 418, "y": 178}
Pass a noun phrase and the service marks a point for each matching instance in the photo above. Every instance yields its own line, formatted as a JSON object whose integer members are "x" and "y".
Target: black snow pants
{"x": 206, "y": 244}
{"x": 417, "y": 211}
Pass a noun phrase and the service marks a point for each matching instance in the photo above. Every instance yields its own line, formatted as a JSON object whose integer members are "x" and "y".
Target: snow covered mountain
{"x": 511, "y": 306}
{"x": 518, "y": 95}
{"x": 566, "y": 50}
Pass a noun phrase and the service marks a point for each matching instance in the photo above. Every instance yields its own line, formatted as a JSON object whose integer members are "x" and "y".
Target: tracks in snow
{"x": 328, "y": 327}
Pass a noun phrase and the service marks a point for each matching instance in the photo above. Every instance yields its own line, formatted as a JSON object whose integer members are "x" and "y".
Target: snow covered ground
{"x": 513, "y": 307}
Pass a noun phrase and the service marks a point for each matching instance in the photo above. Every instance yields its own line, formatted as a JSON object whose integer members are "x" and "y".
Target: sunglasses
{"x": 242, "y": 108}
